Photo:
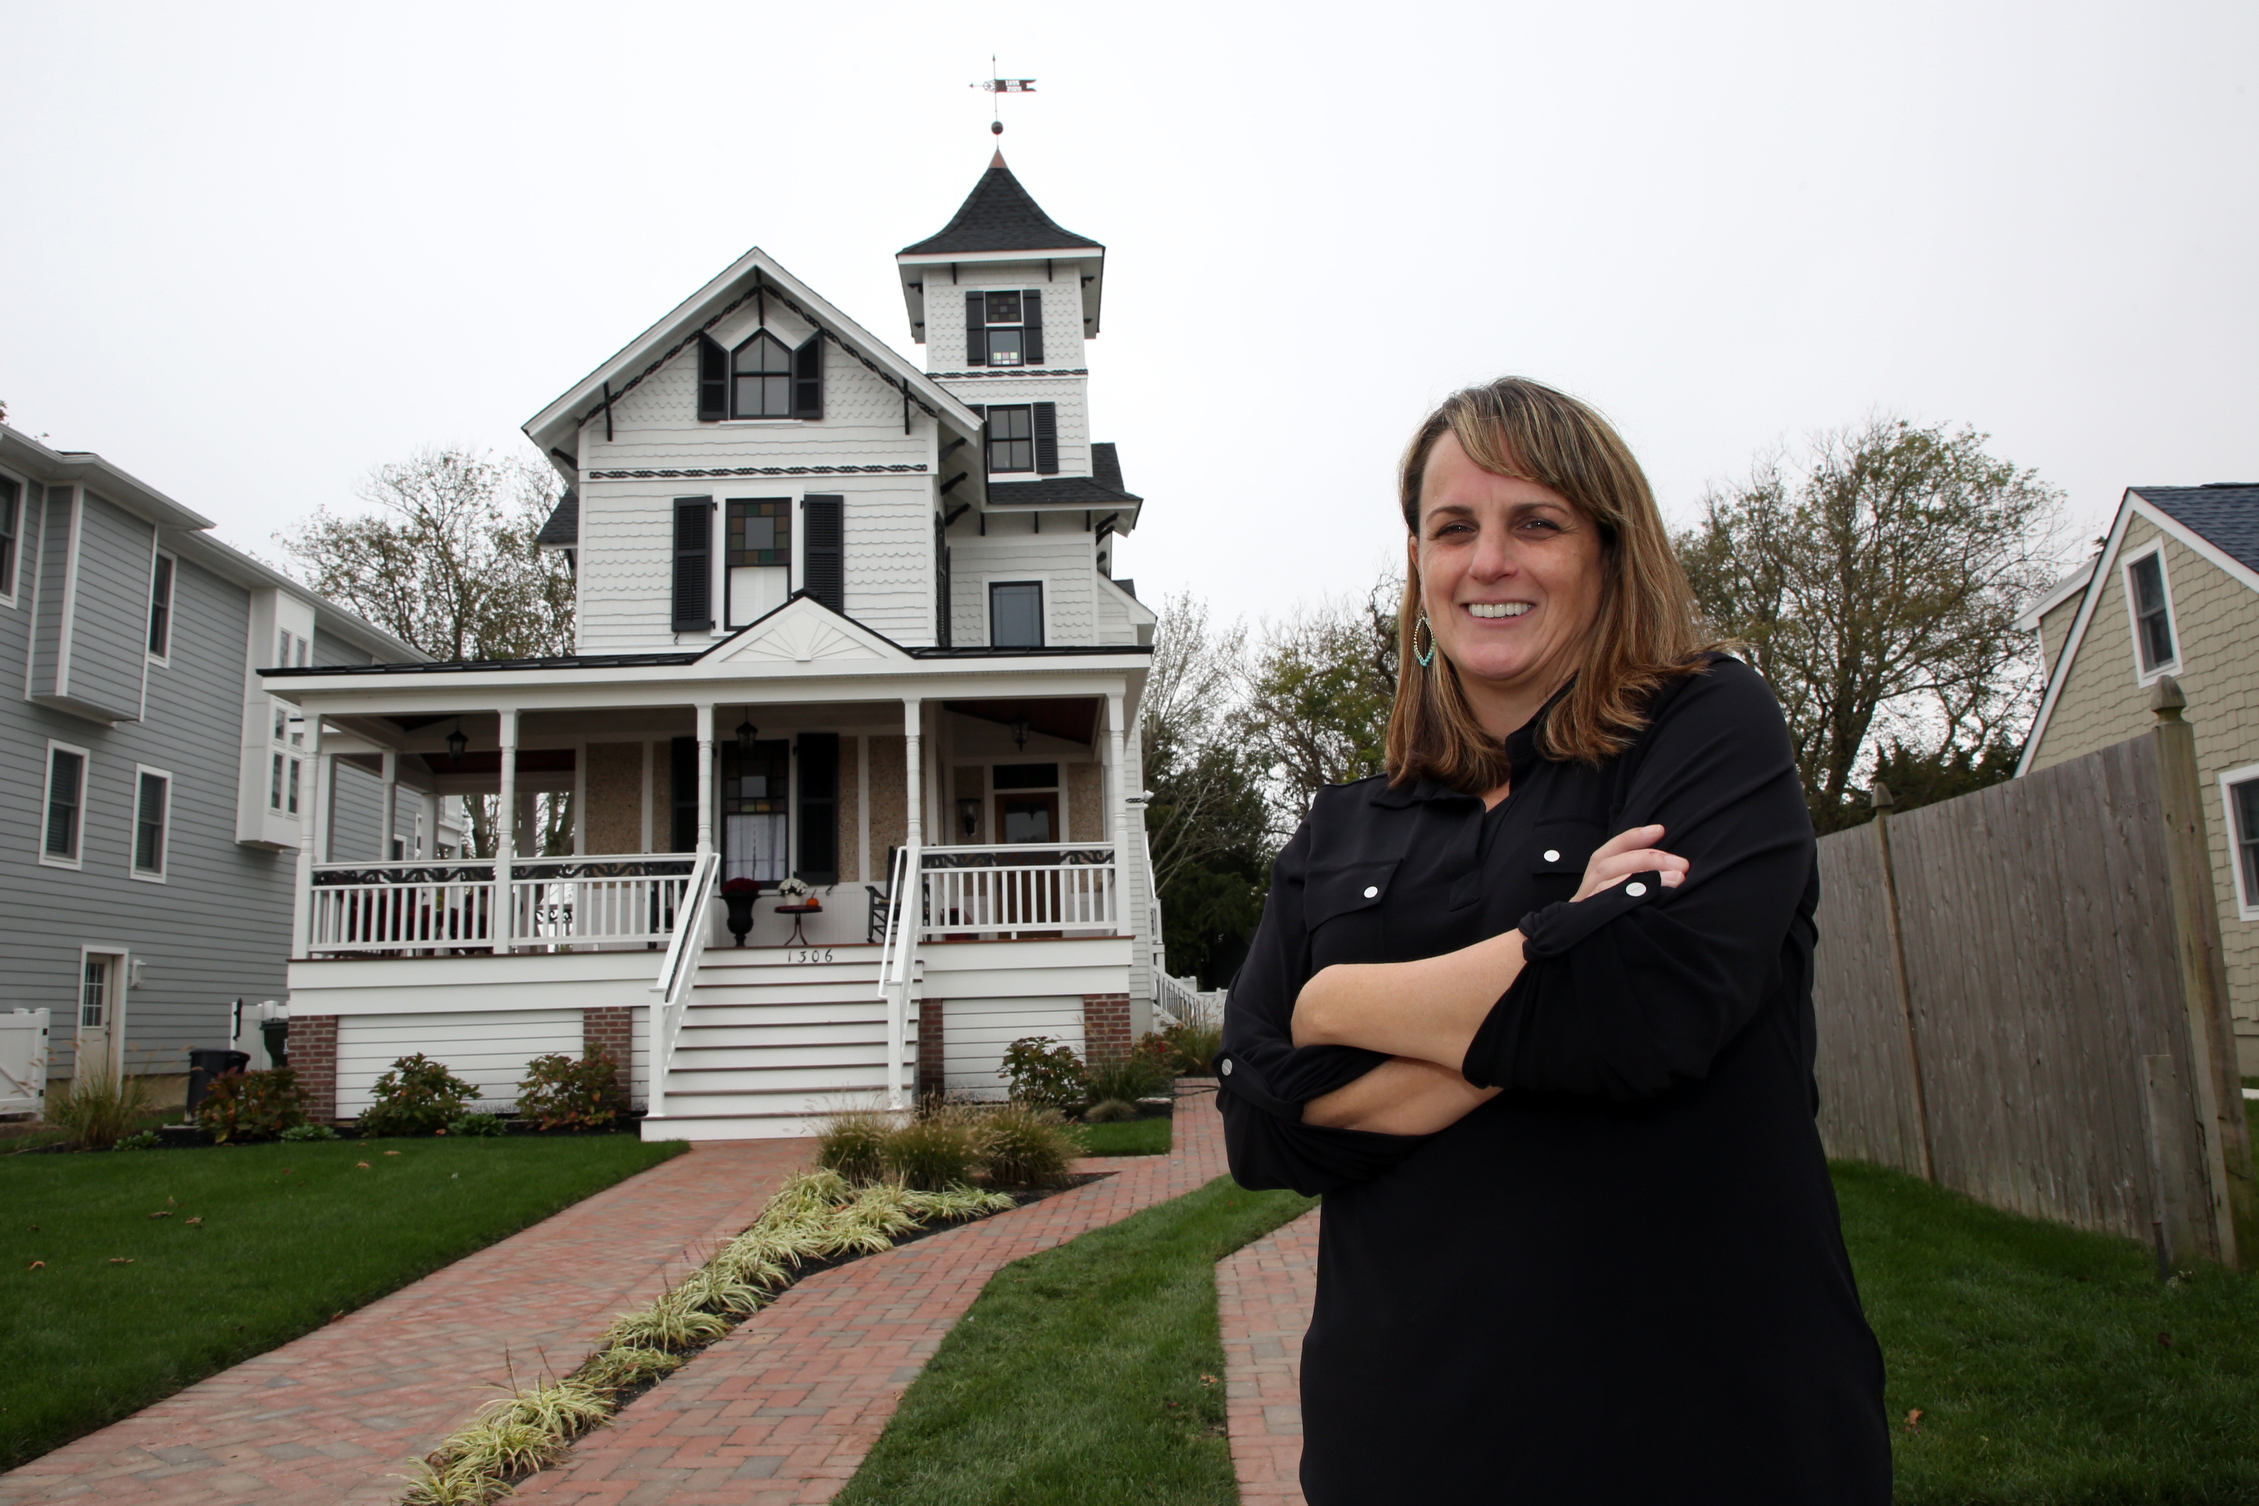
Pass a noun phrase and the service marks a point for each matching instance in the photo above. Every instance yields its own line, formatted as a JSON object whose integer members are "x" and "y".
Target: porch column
{"x": 909, "y": 902}
{"x": 913, "y": 782}
{"x": 1117, "y": 796}
{"x": 706, "y": 776}
{"x": 302, "y": 908}
{"x": 391, "y": 808}
{"x": 580, "y": 800}
{"x": 505, "y": 828}
{"x": 427, "y": 840}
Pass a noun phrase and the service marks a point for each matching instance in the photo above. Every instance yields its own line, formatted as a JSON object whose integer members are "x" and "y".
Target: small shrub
{"x": 1163, "y": 1051}
{"x": 853, "y": 1144}
{"x": 1109, "y": 1111}
{"x": 417, "y": 1097}
{"x": 98, "y": 1109}
{"x": 308, "y": 1132}
{"x": 244, "y": 1106}
{"x": 145, "y": 1140}
{"x": 1137, "y": 1075}
{"x": 1197, "y": 1045}
{"x": 1024, "y": 1146}
{"x": 931, "y": 1153}
{"x": 1045, "y": 1074}
{"x": 560, "y": 1093}
{"x": 475, "y": 1125}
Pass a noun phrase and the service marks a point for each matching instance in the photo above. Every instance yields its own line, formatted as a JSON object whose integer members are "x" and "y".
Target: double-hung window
{"x": 152, "y": 822}
{"x": 2239, "y": 789}
{"x": 161, "y": 608}
{"x": 285, "y": 745}
{"x": 1004, "y": 328}
{"x": 11, "y": 527}
{"x": 65, "y": 805}
{"x": 2150, "y": 601}
{"x": 757, "y": 556}
{"x": 1015, "y": 614}
{"x": 1011, "y": 438}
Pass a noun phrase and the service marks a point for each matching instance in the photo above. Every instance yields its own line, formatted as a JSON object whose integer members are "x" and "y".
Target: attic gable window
{"x": 762, "y": 378}
{"x": 2151, "y": 604}
{"x": 1004, "y": 328}
{"x": 761, "y": 372}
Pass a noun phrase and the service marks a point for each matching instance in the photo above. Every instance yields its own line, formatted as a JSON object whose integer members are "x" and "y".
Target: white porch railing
{"x": 1186, "y": 1003}
{"x": 402, "y": 907}
{"x": 585, "y": 901}
{"x": 678, "y": 972}
{"x": 1022, "y": 887}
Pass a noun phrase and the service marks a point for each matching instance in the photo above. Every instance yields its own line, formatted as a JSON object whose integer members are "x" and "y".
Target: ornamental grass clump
{"x": 854, "y": 1144}
{"x": 1023, "y": 1146}
{"x": 931, "y": 1152}
{"x": 1141, "y": 1074}
{"x": 815, "y": 1216}
{"x": 98, "y": 1109}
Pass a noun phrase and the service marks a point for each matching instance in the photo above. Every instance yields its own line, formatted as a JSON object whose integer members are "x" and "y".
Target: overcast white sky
{"x": 252, "y": 251}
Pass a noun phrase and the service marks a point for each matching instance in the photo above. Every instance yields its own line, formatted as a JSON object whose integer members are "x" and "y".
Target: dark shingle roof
{"x": 1106, "y": 465}
{"x": 563, "y": 528}
{"x": 999, "y": 215}
{"x": 1059, "y": 491}
{"x": 2226, "y": 514}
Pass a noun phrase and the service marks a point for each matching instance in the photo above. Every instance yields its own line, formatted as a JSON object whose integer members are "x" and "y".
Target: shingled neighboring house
{"x": 842, "y": 621}
{"x": 2173, "y": 590}
{"x": 156, "y": 795}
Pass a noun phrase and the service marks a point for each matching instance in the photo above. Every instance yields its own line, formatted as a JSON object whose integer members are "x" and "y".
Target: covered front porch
{"x": 965, "y": 825}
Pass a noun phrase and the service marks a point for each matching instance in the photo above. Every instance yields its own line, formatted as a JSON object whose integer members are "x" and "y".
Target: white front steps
{"x": 772, "y": 1044}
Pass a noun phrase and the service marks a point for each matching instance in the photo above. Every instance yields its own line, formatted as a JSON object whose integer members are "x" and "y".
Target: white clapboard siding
{"x": 974, "y": 1033}
{"x": 489, "y": 1049}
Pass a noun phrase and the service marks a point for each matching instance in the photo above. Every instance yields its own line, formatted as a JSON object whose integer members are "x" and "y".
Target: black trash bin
{"x": 207, "y": 1063}
{"x": 276, "y": 1036}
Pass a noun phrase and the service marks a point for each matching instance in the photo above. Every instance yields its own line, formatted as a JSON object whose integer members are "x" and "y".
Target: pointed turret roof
{"x": 999, "y": 215}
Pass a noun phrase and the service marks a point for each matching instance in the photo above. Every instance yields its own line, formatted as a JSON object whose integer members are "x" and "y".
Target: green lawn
{"x": 2050, "y": 1366}
{"x": 1091, "y": 1373}
{"x": 1131, "y": 1137}
{"x": 290, "y": 1235}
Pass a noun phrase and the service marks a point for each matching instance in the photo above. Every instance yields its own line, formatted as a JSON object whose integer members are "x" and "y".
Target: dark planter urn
{"x": 740, "y": 904}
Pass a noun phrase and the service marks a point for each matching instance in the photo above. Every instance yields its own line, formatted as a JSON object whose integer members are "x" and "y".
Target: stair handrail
{"x": 676, "y": 974}
{"x": 897, "y": 886}
{"x": 905, "y": 918}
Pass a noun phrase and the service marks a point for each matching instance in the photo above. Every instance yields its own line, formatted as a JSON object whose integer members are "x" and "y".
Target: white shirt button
{"x": 1635, "y": 890}
{"x": 1553, "y": 854}
{"x": 1372, "y": 891}
{"x": 1227, "y": 1067}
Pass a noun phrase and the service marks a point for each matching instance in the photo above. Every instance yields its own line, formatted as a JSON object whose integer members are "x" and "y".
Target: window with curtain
{"x": 756, "y": 802}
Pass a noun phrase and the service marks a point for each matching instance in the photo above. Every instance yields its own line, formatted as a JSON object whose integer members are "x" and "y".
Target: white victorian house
{"x": 840, "y": 619}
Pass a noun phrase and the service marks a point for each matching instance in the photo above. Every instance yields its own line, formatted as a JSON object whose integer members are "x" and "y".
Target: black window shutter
{"x": 941, "y": 602}
{"x": 713, "y": 381}
{"x": 682, "y": 764}
{"x": 1031, "y": 302}
{"x": 694, "y": 554}
{"x": 808, "y": 378}
{"x": 976, "y": 329}
{"x": 819, "y": 808}
{"x": 824, "y": 546}
{"x": 1047, "y": 439}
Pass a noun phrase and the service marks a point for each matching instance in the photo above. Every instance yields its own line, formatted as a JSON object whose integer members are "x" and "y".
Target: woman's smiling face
{"x": 1510, "y": 579}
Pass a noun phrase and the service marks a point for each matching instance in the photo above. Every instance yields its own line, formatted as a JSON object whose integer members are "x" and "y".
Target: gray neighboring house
{"x": 153, "y": 797}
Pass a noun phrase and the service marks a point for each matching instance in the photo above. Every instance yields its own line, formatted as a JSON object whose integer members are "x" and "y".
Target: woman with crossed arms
{"x": 1533, "y": 1011}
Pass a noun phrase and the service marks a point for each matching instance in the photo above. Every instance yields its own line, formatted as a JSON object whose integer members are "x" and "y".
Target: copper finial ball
{"x": 996, "y": 127}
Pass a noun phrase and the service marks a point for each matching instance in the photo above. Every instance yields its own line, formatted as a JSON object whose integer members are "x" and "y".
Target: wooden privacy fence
{"x": 2020, "y": 996}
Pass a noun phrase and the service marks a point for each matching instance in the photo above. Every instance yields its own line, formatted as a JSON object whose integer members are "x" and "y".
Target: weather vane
{"x": 997, "y": 87}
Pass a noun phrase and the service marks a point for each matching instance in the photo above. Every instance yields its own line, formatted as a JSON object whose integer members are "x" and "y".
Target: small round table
{"x": 798, "y": 913}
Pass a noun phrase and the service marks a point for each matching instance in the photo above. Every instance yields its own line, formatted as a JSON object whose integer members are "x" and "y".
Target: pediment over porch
{"x": 802, "y": 636}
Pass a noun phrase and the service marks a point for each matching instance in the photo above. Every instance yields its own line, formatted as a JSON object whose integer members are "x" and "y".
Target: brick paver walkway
{"x": 782, "y": 1411}
{"x": 332, "y": 1416}
{"x": 1263, "y": 1299}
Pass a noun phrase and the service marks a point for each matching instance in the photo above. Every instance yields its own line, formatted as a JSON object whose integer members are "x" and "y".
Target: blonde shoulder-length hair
{"x": 1647, "y": 631}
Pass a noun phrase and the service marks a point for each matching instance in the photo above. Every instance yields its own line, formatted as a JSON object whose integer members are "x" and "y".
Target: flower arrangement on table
{"x": 793, "y": 891}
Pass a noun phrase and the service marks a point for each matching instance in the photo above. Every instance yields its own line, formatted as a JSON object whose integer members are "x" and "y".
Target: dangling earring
{"x": 1429, "y": 657}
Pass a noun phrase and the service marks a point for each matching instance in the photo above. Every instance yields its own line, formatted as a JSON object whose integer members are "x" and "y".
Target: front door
{"x": 1027, "y": 818}
{"x": 99, "y": 1025}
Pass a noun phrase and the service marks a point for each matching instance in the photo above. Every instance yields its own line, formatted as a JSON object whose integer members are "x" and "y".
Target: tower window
{"x": 1004, "y": 328}
{"x": 1011, "y": 438}
{"x": 761, "y": 378}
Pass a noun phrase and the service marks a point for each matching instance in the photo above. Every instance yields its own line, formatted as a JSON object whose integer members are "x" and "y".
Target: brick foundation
{"x": 610, "y": 1030}
{"x": 313, "y": 1056}
{"x": 1105, "y": 1027}
{"x": 933, "y": 1079}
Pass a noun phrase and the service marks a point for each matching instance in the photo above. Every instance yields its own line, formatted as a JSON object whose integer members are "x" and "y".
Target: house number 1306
{"x": 811, "y": 954}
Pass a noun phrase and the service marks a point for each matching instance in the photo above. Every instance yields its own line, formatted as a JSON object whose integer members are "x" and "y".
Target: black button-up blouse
{"x": 1623, "y": 1279}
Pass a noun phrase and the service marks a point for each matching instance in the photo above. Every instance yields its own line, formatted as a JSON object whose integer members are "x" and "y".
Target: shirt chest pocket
{"x": 1342, "y": 910}
{"x": 1558, "y": 853}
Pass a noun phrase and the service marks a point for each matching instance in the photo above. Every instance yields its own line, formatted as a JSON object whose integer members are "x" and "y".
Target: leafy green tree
{"x": 1315, "y": 702}
{"x": 1874, "y": 581}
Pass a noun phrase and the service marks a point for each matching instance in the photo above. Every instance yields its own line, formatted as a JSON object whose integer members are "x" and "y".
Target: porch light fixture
{"x": 1020, "y": 733}
{"x": 968, "y": 815}
{"x": 745, "y": 732}
{"x": 456, "y": 743}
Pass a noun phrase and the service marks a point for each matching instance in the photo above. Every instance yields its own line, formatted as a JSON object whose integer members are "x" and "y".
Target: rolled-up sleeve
{"x": 1266, "y": 1079}
{"x": 1638, "y": 988}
